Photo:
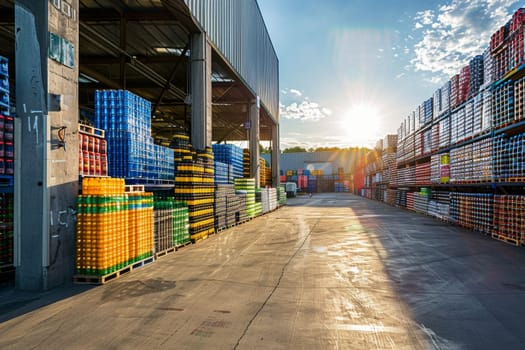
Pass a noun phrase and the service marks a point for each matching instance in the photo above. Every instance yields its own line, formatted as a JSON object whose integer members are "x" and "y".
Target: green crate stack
{"x": 282, "y": 195}
{"x": 248, "y": 186}
{"x": 181, "y": 223}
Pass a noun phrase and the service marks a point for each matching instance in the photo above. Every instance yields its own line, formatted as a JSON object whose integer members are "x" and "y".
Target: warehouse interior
{"x": 166, "y": 52}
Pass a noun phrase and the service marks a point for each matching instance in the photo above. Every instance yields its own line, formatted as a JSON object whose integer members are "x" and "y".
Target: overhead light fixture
{"x": 170, "y": 51}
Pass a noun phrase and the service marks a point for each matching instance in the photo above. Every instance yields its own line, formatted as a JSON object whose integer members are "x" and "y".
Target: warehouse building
{"x": 205, "y": 69}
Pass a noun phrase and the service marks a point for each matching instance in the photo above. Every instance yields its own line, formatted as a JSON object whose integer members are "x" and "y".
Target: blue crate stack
{"x": 4, "y": 86}
{"x": 231, "y": 155}
{"x": 132, "y": 154}
{"x": 428, "y": 110}
{"x": 221, "y": 173}
{"x": 476, "y": 75}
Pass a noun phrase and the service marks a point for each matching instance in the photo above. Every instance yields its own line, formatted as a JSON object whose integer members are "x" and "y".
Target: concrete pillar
{"x": 254, "y": 142}
{"x": 46, "y": 164}
{"x": 201, "y": 113}
{"x": 276, "y": 154}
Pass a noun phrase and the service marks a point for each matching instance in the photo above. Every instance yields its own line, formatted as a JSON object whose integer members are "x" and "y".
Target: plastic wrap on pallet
{"x": 509, "y": 158}
{"x": 444, "y": 132}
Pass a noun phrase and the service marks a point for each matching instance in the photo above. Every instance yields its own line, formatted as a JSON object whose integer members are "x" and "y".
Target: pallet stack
{"x": 114, "y": 228}
{"x": 132, "y": 154}
{"x": 92, "y": 151}
{"x": 246, "y": 163}
{"x": 509, "y": 218}
{"x": 6, "y": 230}
{"x": 171, "y": 224}
{"x": 282, "y": 195}
{"x": 194, "y": 184}
{"x": 231, "y": 155}
{"x": 247, "y": 186}
{"x": 4, "y": 87}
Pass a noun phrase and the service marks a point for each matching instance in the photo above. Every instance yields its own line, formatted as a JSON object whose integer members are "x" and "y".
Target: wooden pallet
{"x": 90, "y": 130}
{"x": 165, "y": 252}
{"x": 506, "y": 239}
{"x": 86, "y": 279}
{"x": 180, "y": 246}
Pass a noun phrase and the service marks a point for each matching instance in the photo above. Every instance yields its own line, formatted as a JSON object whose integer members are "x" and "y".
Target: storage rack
{"x": 473, "y": 173}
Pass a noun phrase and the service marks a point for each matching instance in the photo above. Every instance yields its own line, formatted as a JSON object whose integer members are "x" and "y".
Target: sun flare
{"x": 362, "y": 122}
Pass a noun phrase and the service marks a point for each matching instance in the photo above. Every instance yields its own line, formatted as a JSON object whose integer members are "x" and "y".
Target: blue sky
{"x": 351, "y": 70}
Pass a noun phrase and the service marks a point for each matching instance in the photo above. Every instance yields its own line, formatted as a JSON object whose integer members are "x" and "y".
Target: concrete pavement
{"x": 333, "y": 271}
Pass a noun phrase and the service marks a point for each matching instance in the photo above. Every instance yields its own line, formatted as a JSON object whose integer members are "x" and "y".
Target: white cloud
{"x": 457, "y": 32}
{"x": 305, "y": 110}
{"x": 300, "y": 107}
{"x": 399, "y": 76}
{"x": 296, "y": 92}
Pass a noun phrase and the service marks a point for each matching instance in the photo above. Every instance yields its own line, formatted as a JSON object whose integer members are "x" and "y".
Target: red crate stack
{"x": 516, "y": 53}
{"x": 518, "y": 20}
{"x": 464, "y": 84}
{"x": 423, "y": 174}
{"x": 92, "y": 155}
{"x": 498, "y": 38}
{"x": 7, "y": 149}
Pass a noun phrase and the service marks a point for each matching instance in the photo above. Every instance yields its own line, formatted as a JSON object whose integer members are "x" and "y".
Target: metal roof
{"x": 142, "y": 46}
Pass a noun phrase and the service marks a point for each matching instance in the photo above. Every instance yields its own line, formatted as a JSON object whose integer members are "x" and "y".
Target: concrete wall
{"x": 46, "y": 173}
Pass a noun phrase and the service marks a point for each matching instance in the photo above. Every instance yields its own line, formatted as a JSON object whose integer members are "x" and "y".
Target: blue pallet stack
{"x": 4, "y": 86}
{"x": 221, "y": 173}
{"x": 132, "y": 154}
{"x": 231, "y": 155}
{"x": 476, "y": 74}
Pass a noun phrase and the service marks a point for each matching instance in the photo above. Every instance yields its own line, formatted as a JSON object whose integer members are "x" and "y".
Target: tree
{"x": 295, "y": 149}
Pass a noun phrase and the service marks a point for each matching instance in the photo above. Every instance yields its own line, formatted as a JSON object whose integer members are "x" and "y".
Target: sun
{"x": 362, "y": 122}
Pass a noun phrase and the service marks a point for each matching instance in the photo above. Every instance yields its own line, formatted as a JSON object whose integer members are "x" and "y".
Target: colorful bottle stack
{"x": 6, "y": 229}
{"x": 282, "y": 195}
{"x": 126, "y": 118}
{"x": 247, "y": 186}
{"x": 171, "y": 224}
{"x": 265, "y": 173}
{"x": 114, "y": 228}
{"x": 92, "y": 152}
{"x": 194, "y": 184}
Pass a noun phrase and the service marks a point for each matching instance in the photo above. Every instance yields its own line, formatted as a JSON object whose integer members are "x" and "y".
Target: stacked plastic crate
{"x": 499, "y": 50}
{"x": 476, "y": 75}
{"x": 171, "y": 224}
{"x": 464, "y": 84}
{"x": 509, "y": 218}
{"x": 221, "y": 206}
{"x": 4, "y": 87}
{"x": 231, "y": 155}
{"x": 454, "y": 91}
{"x": 516, "y": 32}
{"x": 472, "y": 210}
{"x": 6, "y": 230}
{"x": 503, "y": 103}
{"x": 282, "y": 195}
{"x": 114, "y": 228}
{"x": 222, "y": 173}
{"x": 194, "y": 184}
{"x": 519, "y": 99}
{"x": 6, "y": 123}
{"x": 126, "y": 118}
{"x": 246, "y": 163}
{"x": 92, "y": 152}
{"x": 247, "y": 186}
